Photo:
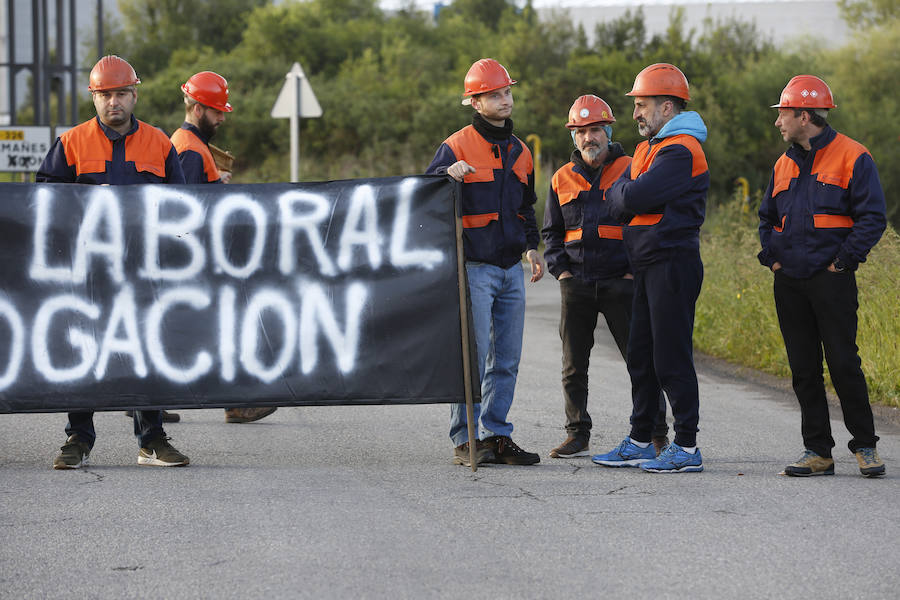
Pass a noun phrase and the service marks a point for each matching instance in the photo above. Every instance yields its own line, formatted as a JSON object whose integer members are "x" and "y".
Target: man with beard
{"x": 822, "y": 212}
{"x": 114, "y": 149}
{"x": 584, "y": 251}
{"x": 497, "y": 173}
{"x": 205, "y": 105}
{"x": 662, "y": 200}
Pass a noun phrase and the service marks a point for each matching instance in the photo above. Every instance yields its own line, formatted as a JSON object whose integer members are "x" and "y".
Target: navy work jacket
{"x": 821, "y": 207}
{"x": 93, "y": 153}
{"x": 497, "y": 199}
{"x": 580, "y": 234}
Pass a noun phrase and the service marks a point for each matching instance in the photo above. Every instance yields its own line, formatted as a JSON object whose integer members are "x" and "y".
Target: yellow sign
{"x": 12, "y": 135}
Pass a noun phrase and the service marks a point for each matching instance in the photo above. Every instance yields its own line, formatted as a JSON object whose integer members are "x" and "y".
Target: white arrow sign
{"x": 295, "y": 100}
{"x": 286, "y": 104}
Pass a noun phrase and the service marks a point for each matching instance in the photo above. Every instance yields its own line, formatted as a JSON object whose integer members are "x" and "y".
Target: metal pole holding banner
{"x": 464, "y": 324}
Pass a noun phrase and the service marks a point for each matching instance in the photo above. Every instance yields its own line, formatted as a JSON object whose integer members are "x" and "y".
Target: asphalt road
{"x": 363, "y": 502}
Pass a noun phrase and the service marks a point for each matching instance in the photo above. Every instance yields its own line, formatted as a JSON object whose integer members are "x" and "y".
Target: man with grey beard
{"x": 584, "y": 251}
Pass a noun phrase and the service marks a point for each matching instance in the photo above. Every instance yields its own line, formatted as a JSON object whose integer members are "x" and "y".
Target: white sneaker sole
{"x": 637, "y": 462}
{"x": 688, "y": 469}
{"x": 149, "y": 461}
{"x": 62, "y": 467}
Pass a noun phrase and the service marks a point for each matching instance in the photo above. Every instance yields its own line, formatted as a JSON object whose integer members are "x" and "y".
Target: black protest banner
{"x": 161, "y": 296}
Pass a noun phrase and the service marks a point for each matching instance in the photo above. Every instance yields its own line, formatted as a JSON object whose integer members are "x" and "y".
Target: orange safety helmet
{"x": 486, "y": 75}
{"x": 661, "y": 79}
{"x": 209, "y": 89}
{"x": 110, "y": 73}
{"x": 588, "y": 110}
{"x": 806, "y": 91}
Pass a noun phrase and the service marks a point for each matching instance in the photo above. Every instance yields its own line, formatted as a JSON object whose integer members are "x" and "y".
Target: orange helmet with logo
{"x": 209, "y": 89}
{"x": 588, "y": 110}
{"x": 110, "y": 73}
{"x": 486, "y": 75}
{"x": 661, "y": 79}
{"x": 806, "y": 91}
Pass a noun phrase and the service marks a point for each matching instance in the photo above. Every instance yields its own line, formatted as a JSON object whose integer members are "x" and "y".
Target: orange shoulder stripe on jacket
{"x": 644, "y": 154}
{"x": 87, "y": 148}
{"x": 834, "y": 163}
{"x": 785, "y": 171}
{"x": 613, "y": 171}
{"x": 524, "y": 164}
{"x": 148, "y": 148}
{"x": 568, "y": 184}
{"x": 468, "y": 145}
{"x": 184, "y": 139}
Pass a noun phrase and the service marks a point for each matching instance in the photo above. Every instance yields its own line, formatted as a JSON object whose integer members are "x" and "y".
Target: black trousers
{"x": 582, "y": 303}
{"x": 661, "y": 346}
{"x": 815, "y": 314}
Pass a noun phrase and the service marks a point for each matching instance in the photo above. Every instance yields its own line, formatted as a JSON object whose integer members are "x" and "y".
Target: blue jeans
{"x": 148, "y": 424}
{"x": 498, "y": 319}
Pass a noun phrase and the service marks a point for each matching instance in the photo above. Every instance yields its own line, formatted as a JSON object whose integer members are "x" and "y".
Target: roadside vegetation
{"x": 736, "y": 317}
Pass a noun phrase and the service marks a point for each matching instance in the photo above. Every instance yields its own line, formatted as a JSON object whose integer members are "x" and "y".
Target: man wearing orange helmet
{"x": 822, "y": 212}
{"x": 584, "y": 251}
{"x": 497, "y": 172}
{"x": 205, "y": 105}
{"x": 114, "y": 149}
{"x": 662, "y": 201}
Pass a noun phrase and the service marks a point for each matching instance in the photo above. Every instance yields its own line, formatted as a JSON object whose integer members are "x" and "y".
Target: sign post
{"x": 296, "y": 100}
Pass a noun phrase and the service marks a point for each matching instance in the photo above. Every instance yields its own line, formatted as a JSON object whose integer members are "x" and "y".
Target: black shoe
{"x": 483, "y": 454}
{"x": 167, "y": 416}
{"x": 573, "y": 446}
{"x": 507, "y": 452}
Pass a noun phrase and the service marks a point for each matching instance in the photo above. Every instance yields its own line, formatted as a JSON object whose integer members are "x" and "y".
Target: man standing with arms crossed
{"x": 114, "y": 149}
{"x": 205, "y": 105}
{"x": 584, "y": 251}
{"x": 822, "y": 212}
{"x": 497, "y": 173}
{"x": 662, "y": 200}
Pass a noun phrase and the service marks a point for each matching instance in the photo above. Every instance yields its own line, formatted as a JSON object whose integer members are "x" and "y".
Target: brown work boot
{"x": 483, "y": 454}
{"x": 659, "y": 443}
{"x": 248, "y": 415}
{"x": 573, "y": 447}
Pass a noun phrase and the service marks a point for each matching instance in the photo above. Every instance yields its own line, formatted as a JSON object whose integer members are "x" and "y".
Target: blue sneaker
{"x": 674, "y": 459}
{"x": 626, "y": 454}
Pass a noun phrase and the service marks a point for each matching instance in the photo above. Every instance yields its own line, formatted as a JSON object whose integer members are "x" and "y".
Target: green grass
{"x": 736, "y": 311}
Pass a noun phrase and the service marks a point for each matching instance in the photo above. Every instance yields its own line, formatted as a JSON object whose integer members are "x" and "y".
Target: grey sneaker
{"x": 483, "y": 454}
{"x": 571, "y": 448}
{"x": 870, "y": 464}
{"x": 160, "y": 453}
{"x": 810, "y": 464}
{"x": 73, "y": 454}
